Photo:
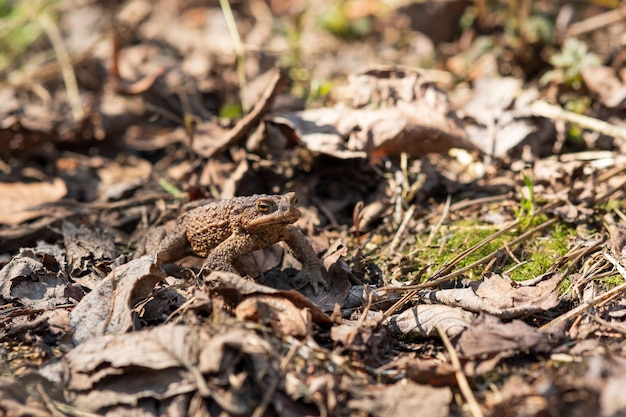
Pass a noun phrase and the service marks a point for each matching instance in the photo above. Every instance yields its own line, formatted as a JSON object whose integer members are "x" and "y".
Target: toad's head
{"x": 263, "y": 210}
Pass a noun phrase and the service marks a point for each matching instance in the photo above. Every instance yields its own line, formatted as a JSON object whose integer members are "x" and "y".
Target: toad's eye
{"x": 263, "y": 206}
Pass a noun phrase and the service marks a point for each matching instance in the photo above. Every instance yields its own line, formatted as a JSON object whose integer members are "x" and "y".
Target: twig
{"x": 543, "y": 109}
{"x": 612, "y": 172}
{"x": 162, "y": 111}
{"x": 479, "y": 201}
{"x": 357, "y": 216}
{"x": 616, "y": 264}
{"x": 602, "y": 198}
{"x": 394, "y": 243}
{"x": 461, "y": 379}
{"x": 596, "y": 22}
{"x": 250, "y": 120}
{"x": 433, "y": 233}
{"x": 67, "y": 71}
{"x": 617, "y": 291}
{"x": 271, "y": 389}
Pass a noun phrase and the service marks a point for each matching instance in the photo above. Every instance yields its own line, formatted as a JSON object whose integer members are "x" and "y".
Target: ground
{"x": 460, "y": 173}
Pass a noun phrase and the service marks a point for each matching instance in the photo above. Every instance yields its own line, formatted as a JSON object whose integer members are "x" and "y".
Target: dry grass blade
{"x": 67, "y": 71}
{"x": 617, "y": 265}
{"x": 489, "y": 257}
{"x": 602, "y": 298}
{"x": 575, "y": 256}
{"x": 602, "y": 198}
{"x": 234, "y": 35}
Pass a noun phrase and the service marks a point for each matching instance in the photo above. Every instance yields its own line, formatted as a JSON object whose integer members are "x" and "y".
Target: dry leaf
{"x": 34, "y": 280}
{"x": 489, "y": 336}
{"x": 367, "y": 342}
{"x": 500, "y": 112}
{"x": 412, "y": 116}
{"x": 501, "y": 297}
{"x": 235, "y": 287}
{"x": 278, "y": 313}
{"x": 612, "y": 399}
{"x": 604, "y": 82}
{"x": 422, "y": 320}
{"x": 111, "y": 374}
{"x": 86, "y": 247}
{"x": 402, "y": 399}
{"x": 434, "y": 372}
{"x": 259, "y": 262}
{"x": 18, "y": 200}
{"x": 108, "y": 308}
{"x": 16, "y": 400}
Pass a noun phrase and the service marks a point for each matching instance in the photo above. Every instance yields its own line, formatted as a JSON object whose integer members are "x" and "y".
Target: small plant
{"x": 568, "y": 63}
{"x": 319, "y": 90}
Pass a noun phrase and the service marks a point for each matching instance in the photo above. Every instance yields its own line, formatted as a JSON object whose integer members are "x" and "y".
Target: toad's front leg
{"x": 303, "y": 251}
{"x": 221, "y": 257}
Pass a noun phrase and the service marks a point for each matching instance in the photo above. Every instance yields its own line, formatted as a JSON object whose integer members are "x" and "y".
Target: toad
{"x": 224, "y": 230}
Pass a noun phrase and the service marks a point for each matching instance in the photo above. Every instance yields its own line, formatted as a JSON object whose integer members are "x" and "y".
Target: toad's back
{"x": 209, "y": 225}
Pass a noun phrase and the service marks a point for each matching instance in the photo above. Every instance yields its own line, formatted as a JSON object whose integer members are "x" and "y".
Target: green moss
{"x": 536, "y": 255}
{"x": 613, "y": 280}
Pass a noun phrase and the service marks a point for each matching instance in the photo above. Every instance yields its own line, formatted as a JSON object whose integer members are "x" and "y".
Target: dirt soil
{"x": 460, "y": 173}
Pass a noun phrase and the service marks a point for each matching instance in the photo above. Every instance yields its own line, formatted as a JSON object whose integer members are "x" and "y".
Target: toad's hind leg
{"x": 168, "y": 247}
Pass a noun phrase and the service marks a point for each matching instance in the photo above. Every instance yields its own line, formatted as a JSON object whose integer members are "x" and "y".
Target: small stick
{"x": 433, "y": 233}
{"x": 549, "y": 111}
{"x": 596, "y": 22}
{"x": 273, "y": 385}
{"x": 617, "y": 291}
{"x": 407, "y": 216}
{"x": 461, "y": 379}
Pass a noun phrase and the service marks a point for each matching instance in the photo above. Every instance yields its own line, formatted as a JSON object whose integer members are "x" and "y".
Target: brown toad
{"x": 224, "y": 230}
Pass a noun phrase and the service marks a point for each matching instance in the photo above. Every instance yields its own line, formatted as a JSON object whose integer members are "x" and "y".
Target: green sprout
{"x": 569, "y": 63}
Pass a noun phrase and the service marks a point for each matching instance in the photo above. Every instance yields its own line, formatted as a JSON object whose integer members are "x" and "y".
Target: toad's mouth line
{"x": 281, "y": 222}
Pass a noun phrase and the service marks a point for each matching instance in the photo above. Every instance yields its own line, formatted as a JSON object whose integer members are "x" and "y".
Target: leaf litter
{"x": 466, "y": 203}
